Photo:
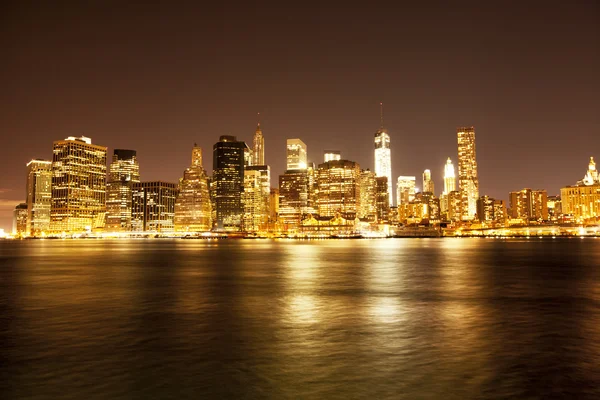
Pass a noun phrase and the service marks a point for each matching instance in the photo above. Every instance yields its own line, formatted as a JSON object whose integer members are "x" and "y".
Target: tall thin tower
{"x": 449, "y": 177}
{"x": 258, "y": 146}
{"x": 383, "y": 157}
{"x": 468, "y": 181}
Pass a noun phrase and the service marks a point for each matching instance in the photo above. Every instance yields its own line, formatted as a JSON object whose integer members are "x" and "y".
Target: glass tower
{"x": 123, "y": 172}
{"x": 468, "y": 181}
{"x": 39, "y": 195}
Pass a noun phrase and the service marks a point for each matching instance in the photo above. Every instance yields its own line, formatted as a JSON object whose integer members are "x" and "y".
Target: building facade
{"x": 296, "y": 154}
{"x": 529, "y": 205}
{"x": 78, "y": 185}
{"x": 382, "y": 200}
{"x": 258, "y": 147}
{"x": 491, "y": 211}
{"x": 449, "y": 177}
{"x": 39, "y": 197}
{"x": 123, "y": 172}
{"x": 331, "y": 155}
{"x": 406, "y": 189}
{"x": 582, "y": 201}
{"x": 383, "y": 158}
{"x": 427, "y": 182}
{"x": 193, "y": 210}
{"x": 293, "y": 197}
{"x": 468, "y": 181}
{"x": 368, "y": 196}
{"x": 153, "y": 206}
{"x": 20, "y": 220}
{"x": 256, "y": 198}
{"x": 338, "y": 188}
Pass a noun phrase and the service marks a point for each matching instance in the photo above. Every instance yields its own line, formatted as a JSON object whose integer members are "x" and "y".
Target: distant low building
{"x": 529, "y": 205}
{"x": 582, "y": 201}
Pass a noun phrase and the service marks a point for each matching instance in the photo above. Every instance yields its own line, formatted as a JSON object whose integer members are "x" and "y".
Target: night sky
{"x": 159, "y": 78}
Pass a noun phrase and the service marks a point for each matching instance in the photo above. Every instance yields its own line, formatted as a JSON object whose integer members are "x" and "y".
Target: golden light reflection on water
{"x": 386, "y": 310}
{"x": 301, "y": 272}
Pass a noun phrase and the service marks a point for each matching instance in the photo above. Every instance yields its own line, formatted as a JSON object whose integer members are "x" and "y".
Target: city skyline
{"x": 530, "y": 92}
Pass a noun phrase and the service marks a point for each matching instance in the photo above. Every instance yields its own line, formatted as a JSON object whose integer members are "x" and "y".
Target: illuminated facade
{"x": 582, "y": 201}
{"x": 449, "y": 177}
{"x": 529, "y": 205}
{"x": 39, "y": 196}
{"x": 491, "y": 211}
{"x": 406, "y": 189}
{"x": 193, "y": 211}
{"x": 78, "y": 185}
{"x": 123, "y": 172}
{"x": 258, "y": 147}
{"x": 293, "y": 197}
{"x": 368, "y": 196}
{"x": 424, "y": 208}
{"x": 468, "y": 182}
{"x": 338, "y": 188}
{"x": 296, "y": 154}
{"x": 274, "y": 205}
{"x": 256, "y": 197}
{"x": 454, "y": 211}
{"x": 554, "y": 207}
{"x": 229, "y": 160}
{"x": 153, "y": 206}
{"x": 20, "y": 220}
{"x": 383, "y": 158}
{"x": 427, "y": 182}
{"x": 331, "y": 155}
{"x": 382, "y": 200}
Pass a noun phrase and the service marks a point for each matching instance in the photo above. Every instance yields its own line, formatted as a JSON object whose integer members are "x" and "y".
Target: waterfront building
{"x": 427, "y": 182}
{"x": 406, "y": 189}
{"x": 331, "y": 155}
{"x": 382, "y": 198}
{"x": 153, "y": 206}
{"x": 193, "y": 209}
{"x": 368, "y": 195}
{"x": 338, "y": 186}
{"x": 293, "y": 197}
{"x": 296, "y": 154}
{"x": 491, "y": 211}
{"x": 258, "y": 147}
{"x": 383, "y": 156}
{"x": 529, "y": 205}
{"x": 78, "y": 185}
{"x": 123, "y": 172}
{"x": 39, "y": 196}
{"x": 454, "y": 212}
{"x": 554, "y": 208}
{"x": 581, "y": 202}
{"x": 256, "y": 197}
{"x": 468, "y": 181}
{"x": 230, "y": 156}
{"x": 424, "y": 207}
{"x": 20, "y": 220}
{"x": 449, "y": 177}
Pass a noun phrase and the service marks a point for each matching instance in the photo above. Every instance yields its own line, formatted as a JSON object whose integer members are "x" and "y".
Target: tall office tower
{"x": 468, "y": 183}
{"x": 228, "y": 180}
{"x": 406, "y": 189}
{"x": 427, "y": 182}
{"x": 454, "y": 211}
{"x": 257, "y": 190}
{"x": 529, "y": 205}
{"x": 449, "y": 177}
{"x": 293, "y": 197}
{"x": 368, "y": 195}
{"x": 78, "y": 185}
{"x": 123, "y": 172}
{"x": 153, "y": 206}
{"x": 332, "y": 155}
{"x": 338, "y": 184}
{"x": 258, "y": 147}
{"x": 296, "y": 154}
{"x": 382, "y": 200}
{"x": 39, "y": 195}
{"x": 192, "y": 207}
{"x": 383, "y": 156}
{"x": 20, "y": 220}
{"x": 274, "y": 205}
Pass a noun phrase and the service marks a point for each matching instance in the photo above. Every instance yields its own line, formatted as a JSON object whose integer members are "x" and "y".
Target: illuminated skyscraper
{"x": 293, "y": 197}
{"x": 153, "y": 206}
{"x": 39, "y": 195}
{"x": 382, "y": 198}
{"x": 193, "y": 207}
{"x": 427, "y": 182}
{"x": 383, "y": 155}
{"x": 468, "y": 183}
{"x": 257, "y": 190}
{"x": 258, "y": 147}
{"x": 406, "y": 189}
{"x": 338, "y": 184}
{"x": 449, "y": 177}
{"x": 296, "y": 154}
{"x": 123, "y": 172}
{"x": 20, "y": 220}
{"x": 78, "y": 185}
{"x": 228, "y": 182}
{"x": 529, "y": 205}
{"x": 368, "y": 195}
{"x": 331, "y": 155}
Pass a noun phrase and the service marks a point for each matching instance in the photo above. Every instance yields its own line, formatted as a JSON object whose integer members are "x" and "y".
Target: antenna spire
{"x": 381, "y": 113}
{"x": 258, "y": 118}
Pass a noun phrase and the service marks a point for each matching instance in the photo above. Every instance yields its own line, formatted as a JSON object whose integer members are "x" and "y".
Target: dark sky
{"x": 159, "y": 78}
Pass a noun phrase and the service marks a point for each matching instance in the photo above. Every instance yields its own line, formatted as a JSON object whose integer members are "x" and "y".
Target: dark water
{"x": 401, "y": 319}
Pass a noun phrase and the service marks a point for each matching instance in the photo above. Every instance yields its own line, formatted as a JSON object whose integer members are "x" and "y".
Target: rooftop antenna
{"x": 258, "y": 117}
{"x": 381, "y": 112}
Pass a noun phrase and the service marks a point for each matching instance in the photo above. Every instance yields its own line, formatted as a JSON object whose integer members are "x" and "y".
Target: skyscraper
{"x": 406, "y": 189}
{"x": 257, "y": 189}
{"x": 228, "y": 182}
{"x": 39, "y": 195}
{"x": 78, "y": 185}
{"x": 296, "y": 154}
{"x": 449, "y": 177}
{"x": 258, "y": 147}
{"x": 293, "y": 197}
{"x": 368, "y": 195}
{"x": 193, "y": 207}
{"x": 427, "y": 182}
{"x": 123, "y": 172}
{"x": 338, "y": 184}
{"x": 468, "y": 182}
{"x": 331, "y": 155}
{"x": 382, "y": 198}
{"x": 383, "y": 157}
{"x": 153, "y": 206}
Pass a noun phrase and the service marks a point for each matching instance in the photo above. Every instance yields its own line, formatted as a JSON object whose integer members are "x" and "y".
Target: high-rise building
{"x": 368, "y": 195}
{"x": 78, "y": 185}
{"x": 229, "y": 160}
{"x": 454, "y": 211}
{"x": 332, "y": 155}
{"x": 257, "y": 190}
{"x": 153, "y": 206}
{"x": 296, "y": 154}
{"x": 491, "y": 211}
{"x": 123, "y": 172}
{"x": 20, "y": 220}
{"x": 382, "y": 198}
{"x": 293, "y": 197}
{"x": 338, "y": 186}
{"x": 406, "y": 189}
{"x": 383, "y": 155}
{"x": 193, "y": 207}
{"x": 529, "y": 205}
{"x": 39, "y": 196}
{"x": 427, "y": 182}
{"x": 258, "y": 147}
{"x": 274, "y": 205}
{"x": 582, "y": 201}
{"x": 468, "y": 182}
{"x": 449, "y": 177}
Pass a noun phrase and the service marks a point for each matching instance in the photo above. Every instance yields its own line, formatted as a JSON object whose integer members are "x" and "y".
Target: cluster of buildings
{"x": 76, "y": 193}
